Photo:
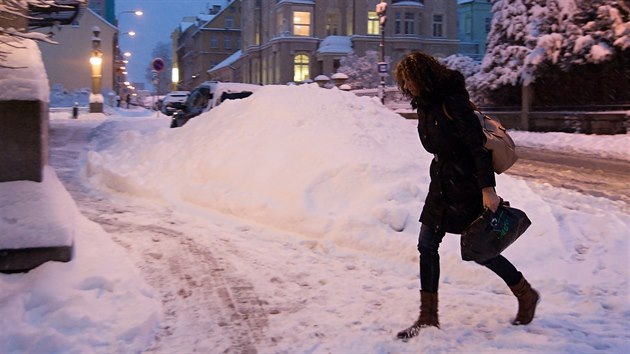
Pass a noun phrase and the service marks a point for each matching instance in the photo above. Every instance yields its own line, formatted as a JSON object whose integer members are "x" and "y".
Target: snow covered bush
{"x": 462, "y": 63}
{"x": 362, "y": 71}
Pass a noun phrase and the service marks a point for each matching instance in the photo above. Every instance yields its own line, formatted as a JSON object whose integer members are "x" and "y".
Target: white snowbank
{"x": 22, "y": 204}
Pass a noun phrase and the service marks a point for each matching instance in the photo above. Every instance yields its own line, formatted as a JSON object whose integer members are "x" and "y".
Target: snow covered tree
{"x": 511, "y": 39}
{"x": 557, "y": 46}
{"x": 594, "y": 56}
{"x": 362, "y": 71}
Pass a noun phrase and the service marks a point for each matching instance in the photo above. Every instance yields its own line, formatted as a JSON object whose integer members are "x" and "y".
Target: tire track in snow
{"x": 208, "y": 306}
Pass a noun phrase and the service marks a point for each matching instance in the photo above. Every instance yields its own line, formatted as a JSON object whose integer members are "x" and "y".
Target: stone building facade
{"x": 294, "y": 40}
{"x": 206, "y": 40}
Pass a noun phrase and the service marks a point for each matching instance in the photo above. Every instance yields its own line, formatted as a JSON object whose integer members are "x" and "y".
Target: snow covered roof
{"x": 186, "y": 23}
{"x": 204, "y": 17}
{"x": 227, "y": 61}
{"x": 336, "y": 44}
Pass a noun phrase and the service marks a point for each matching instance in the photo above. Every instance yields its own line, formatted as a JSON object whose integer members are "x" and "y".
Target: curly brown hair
{"x": 424, "y": 72}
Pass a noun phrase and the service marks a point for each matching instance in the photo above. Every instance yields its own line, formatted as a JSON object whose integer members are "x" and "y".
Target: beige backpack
{"x": 497, "y": 140}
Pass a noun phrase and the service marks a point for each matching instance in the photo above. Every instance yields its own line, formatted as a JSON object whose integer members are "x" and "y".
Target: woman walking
{"x": 462, "y": 180}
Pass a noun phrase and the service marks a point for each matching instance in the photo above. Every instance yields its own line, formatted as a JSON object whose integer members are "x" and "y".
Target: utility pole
{"x": 381, "y": 10}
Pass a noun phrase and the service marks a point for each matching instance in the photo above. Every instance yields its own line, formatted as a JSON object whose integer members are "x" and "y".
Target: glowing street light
{"x": 127, "y": 54}
{"x": 96, "y": 60}
{"x": 130, "y": 33}
{"x": 135, "y": 12}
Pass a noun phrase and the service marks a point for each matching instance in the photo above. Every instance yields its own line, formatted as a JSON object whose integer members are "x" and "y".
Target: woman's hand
{"x": 490, "y": 198}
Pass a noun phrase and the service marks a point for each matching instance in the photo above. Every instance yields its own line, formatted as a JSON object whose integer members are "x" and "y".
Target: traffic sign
{"x": 158, "y": 64}
{"x": 382, "y": 67}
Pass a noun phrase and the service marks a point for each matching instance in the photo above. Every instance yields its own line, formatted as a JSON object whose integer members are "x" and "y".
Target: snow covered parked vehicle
{"x": 173, "y": 101}
{"x": 208, "y": 95}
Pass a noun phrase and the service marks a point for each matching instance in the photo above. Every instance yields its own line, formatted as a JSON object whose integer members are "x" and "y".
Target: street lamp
{"x": 381, "y": 10}
{"x": 135, "y": 12}
{"x": 130, "y": 33}
{"x": 96, "y": 60}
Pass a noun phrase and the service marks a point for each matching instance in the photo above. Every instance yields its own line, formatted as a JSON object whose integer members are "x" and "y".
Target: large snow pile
{"x": 323, "y": 163}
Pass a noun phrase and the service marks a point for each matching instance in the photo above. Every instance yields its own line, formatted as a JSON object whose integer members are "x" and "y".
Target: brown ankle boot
{"x": 428, "y": 316}
{"x": 528, "y": 298}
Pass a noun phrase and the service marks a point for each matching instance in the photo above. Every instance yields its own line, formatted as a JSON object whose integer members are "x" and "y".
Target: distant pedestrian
{"x": 117, "y": 100}
{"x": 75, "y": 110}
{"x": 128, "y": 99}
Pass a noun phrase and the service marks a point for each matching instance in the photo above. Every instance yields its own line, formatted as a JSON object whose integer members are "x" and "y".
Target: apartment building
{"x": 295, "y": 40}
{"x": 204, "y": 41}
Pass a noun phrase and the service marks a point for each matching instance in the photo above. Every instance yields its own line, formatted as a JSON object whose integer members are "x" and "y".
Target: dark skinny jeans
{"x": 428, "y": 244}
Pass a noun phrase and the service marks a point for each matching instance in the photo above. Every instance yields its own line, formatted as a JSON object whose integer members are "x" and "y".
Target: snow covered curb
{"x": 58, "y": 307}
{"x": 599, "y": 145}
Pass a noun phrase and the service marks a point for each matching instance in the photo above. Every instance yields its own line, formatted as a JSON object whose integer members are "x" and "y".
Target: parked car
{"x": 173, "y": 101}
{"x": 209, "y": 95}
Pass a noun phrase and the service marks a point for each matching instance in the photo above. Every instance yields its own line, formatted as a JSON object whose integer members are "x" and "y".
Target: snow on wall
{"x": 22, "y": 75}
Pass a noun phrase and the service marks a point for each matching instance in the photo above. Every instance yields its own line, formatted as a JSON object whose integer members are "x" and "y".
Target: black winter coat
{"x": 461, "y": 166}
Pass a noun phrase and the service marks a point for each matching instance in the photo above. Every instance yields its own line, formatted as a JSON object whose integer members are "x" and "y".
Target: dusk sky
{"x": 160, "y": 18}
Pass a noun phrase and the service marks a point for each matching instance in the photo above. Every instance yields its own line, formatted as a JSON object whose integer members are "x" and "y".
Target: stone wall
{"x": 23, "y": 140}
{"x": 568, "y": 122}
{"x": 605, "y": 123}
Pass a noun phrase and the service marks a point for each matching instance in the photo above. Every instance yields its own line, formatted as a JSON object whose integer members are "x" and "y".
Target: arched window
{"x": 300, "y": 68}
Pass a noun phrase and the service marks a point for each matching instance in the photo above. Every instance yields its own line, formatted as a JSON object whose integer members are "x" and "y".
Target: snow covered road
{"x": 204, "y": 297}
{"x": 595, "y": 175}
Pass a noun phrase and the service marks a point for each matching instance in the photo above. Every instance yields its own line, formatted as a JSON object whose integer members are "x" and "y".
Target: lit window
{"x": 301, "y": 23}
{"x": 373, "y": 26}
{"x": 300, "y": 68}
